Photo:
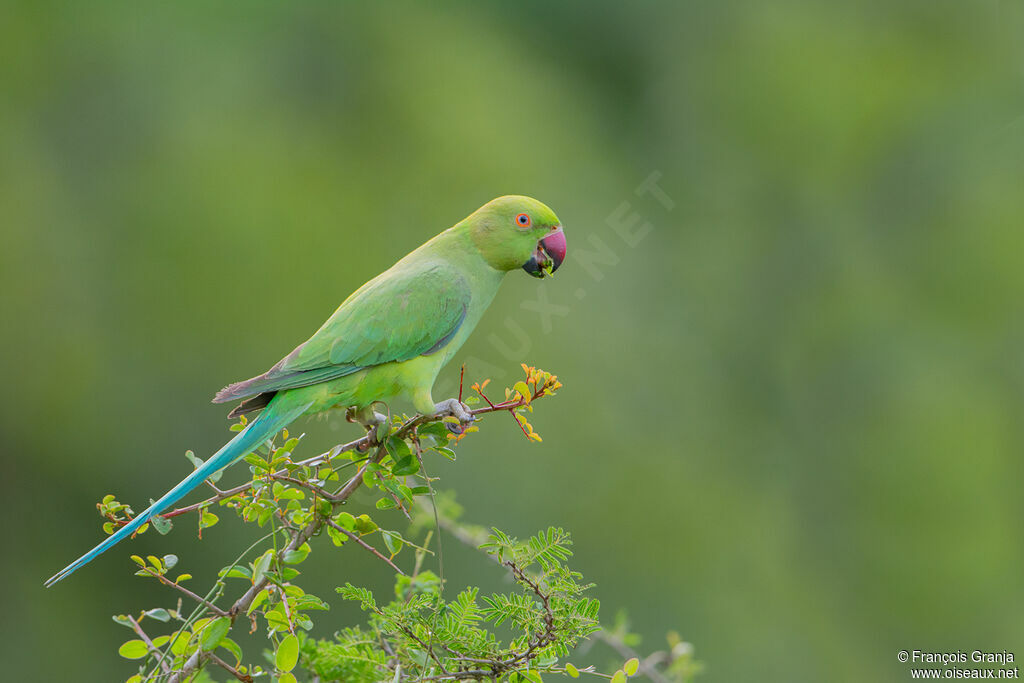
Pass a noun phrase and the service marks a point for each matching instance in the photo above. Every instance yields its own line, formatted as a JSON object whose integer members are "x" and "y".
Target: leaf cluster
{"x": 415, "y": 635}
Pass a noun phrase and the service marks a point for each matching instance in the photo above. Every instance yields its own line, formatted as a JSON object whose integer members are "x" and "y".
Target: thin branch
{"x": 185, "y": 591}
{"x": 245, "y": 678}
{"x": 313, "y": 488}
{"x": 467, "y": 537}
{"x": 629, "y": 653}
{"x": 548, "y": 635}
{"x": 358, "y": 444}
{"x": 149, "y": 643}
{"x": 242, "y": 604}
{"x": 355, "y": 537}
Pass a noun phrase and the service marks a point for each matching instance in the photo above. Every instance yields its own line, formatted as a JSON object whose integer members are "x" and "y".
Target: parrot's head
{"x": 518, "y": 232}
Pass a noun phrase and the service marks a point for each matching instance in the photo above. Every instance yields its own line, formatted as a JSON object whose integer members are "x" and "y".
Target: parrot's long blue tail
{"x": 274, "y": 417}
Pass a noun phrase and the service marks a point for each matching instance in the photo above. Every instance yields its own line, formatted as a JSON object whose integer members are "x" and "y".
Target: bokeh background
{"x": 791, "y": 424}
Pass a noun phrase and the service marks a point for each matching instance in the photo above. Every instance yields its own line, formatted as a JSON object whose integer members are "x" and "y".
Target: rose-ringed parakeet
{"x": 389, "y": 339}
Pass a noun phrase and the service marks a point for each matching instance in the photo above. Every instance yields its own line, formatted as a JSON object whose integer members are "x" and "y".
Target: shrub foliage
{"x": 424, "y": 631}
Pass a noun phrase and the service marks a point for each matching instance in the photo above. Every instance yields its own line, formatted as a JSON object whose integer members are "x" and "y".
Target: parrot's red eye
{"x": 523, "y": 220}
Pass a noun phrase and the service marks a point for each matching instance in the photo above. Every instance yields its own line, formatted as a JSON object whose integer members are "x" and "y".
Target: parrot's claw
{"x": 371, "y": 422}
{"x": 376, "y": 421}
{"x": 369, "y": 419}
{"x": 459, "y": 411}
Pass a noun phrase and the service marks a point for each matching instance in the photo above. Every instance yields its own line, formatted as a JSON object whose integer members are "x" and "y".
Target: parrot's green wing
{"x": 399, "y": 315}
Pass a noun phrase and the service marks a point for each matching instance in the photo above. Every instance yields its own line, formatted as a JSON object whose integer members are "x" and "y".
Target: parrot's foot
{"x": 459, "y": 411}
{"x": 369, "y": 419}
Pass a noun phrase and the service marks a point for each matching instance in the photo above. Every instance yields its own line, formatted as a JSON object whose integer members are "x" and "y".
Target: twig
{"x": 242, "y": 604}
{"x": 323, "y": 493}
{"x": 364, "y": 544}
{"x": 629, "y": 653}
{"x": 185, "y": 591}
{"x": 462, "y": 373}
{"x": 334, "y": 452}
{"x": 149, "y": 643}
{"x": 246, "y": 678}
{"x": 548, "y": 635}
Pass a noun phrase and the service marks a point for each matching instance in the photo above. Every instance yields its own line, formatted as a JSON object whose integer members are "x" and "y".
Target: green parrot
{"x": 389, "y": 339}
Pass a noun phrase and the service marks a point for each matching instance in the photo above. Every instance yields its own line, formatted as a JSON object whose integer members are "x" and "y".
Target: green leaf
{"x": 619, "y": 677}
{"x": 161, "y": 524}
{"x": 435, "y": 429}
{"x": 256, "y": 461}
{"x": 180, "y": 644}
{"x": 287, "y": 653}
{"x": 393, "y": 541}
{"x": 406, "y": 466}
{"x": 365, "y": 525}
{"x": 572, "y": 670}
{"x": 276, "y": 618}
{"x": 207, "y": 519}
{"x": 133, "y": 649}
{"x": 160, "y": 614}
{"x": 214, "y": 633}
{"x": 337, "y": 537}
{"x": 287, "y": 678}
{"x": 236, "y": 572}
{"x": 264, "y": 515}
{"x": 258, "y": 600}
{"x": 631, "y": 666}
{"x": 386, "y": 504}
{"x": 446, "y": 452}
{"x": 296, "y": 556}
{"x": 346, "y": 520}
{"x": 261, "y": 566}
{"x": 232, "y": 647}
{"x": 398, "y": 448}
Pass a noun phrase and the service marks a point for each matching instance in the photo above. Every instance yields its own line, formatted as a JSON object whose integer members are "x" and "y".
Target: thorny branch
{"x": 361, "y": 445}
{"x": 474, "y": 538}
{"x": 300, "y": 536}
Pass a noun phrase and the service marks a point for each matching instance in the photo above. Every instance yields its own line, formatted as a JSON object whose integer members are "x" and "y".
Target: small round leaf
{"x": 287, "y": 654}
{"x": 133, "y": 649}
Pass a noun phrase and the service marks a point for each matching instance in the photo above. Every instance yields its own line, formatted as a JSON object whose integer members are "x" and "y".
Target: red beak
{"x": 548, "y": 255}
{"x": 554, "y": 245}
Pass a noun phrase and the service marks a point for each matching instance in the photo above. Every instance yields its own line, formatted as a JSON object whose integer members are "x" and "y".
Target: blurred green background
{"x": 791, "y": 424}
